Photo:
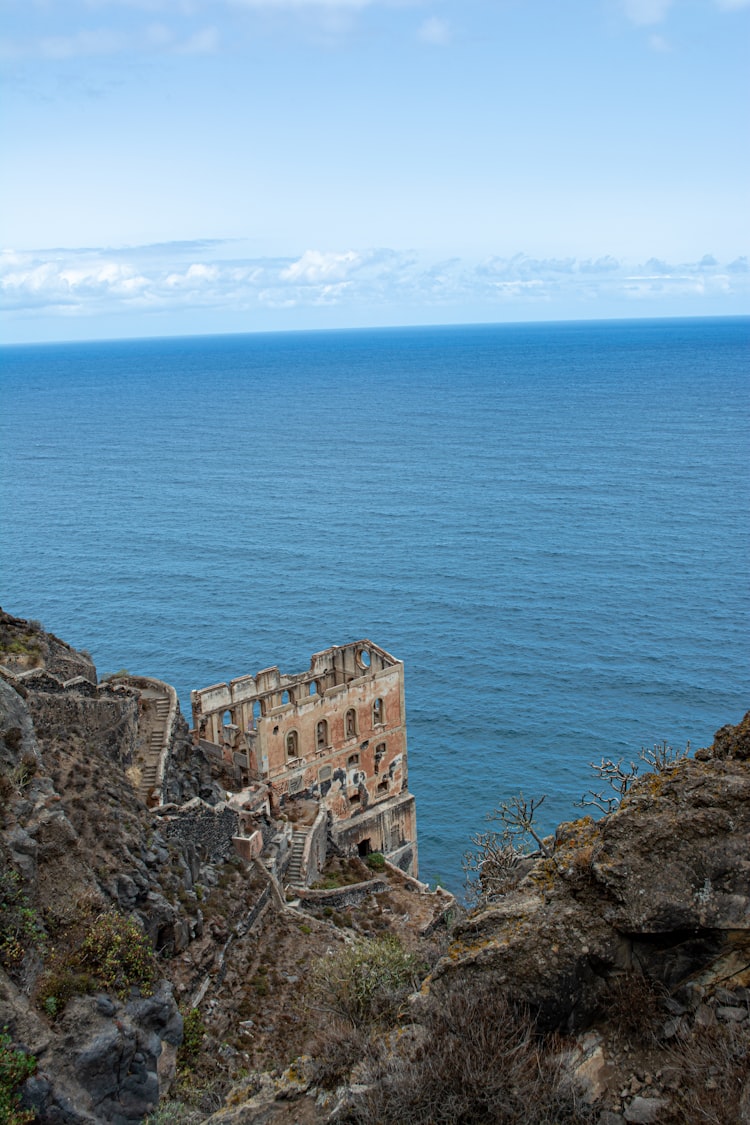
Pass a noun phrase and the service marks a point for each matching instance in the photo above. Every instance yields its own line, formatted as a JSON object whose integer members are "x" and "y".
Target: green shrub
{"x": 193, "y": 1030}
{"x": 19, "y": 925}
{"x": 118, "y": 954}
{"x": 57, "y": 988}
{"x": 100, "y": 951}
{"x": 375, "y": 861}
{"x": 15, "y": 1067}
{"x": 367, "y": 981}
{"x": 174, "y": 1113}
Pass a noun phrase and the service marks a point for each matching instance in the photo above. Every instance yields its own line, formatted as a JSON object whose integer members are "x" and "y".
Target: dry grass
{"x": 479, "y": 1061}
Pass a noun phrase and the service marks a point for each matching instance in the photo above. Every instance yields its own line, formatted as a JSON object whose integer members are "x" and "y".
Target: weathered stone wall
{"x": 340, "y": 898}
{"x": 389, "y": 827}
{"x": 316, "y": 848}
{"x": 209, "y": 827}
{"x": 106, "y": 715}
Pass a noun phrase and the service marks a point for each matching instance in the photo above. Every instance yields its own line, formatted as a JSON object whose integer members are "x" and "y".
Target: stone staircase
{"x": 295, "y": 876}
{"x": 156, "y": 744}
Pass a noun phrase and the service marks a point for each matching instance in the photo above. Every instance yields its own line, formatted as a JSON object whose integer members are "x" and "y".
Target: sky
{"x": 198, "y": 166}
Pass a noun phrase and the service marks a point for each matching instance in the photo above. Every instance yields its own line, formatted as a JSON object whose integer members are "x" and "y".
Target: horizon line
{"x": 372, "y": 328}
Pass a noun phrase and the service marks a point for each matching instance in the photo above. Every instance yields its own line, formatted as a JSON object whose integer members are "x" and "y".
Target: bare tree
{"x": 493, "y": 866}
{"x": 614, "y": 775}
{"x": 663, "y": 756}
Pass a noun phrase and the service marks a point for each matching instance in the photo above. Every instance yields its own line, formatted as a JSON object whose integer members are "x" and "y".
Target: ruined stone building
{"x": 334, "y": 736}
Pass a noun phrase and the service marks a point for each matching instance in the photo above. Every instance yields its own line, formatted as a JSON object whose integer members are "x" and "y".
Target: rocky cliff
{"x": 120, "y": 921}
{"x": 143, "y": 961}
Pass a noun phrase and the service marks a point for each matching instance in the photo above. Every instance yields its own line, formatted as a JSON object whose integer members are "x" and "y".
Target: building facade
{"x": 335, "y": 734}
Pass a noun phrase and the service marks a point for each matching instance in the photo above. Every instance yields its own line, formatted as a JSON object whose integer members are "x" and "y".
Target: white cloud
{"x": 643, "y": 13}
{"x": 88, "y": 283}
{"x": 435, "y": 31}
{"x": 315, "y": 267}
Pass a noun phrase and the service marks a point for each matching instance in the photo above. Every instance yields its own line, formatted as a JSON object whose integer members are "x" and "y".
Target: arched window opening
{"x": 350, "y": 726}
{"x": 321, "y": 734}
{"x": 227, "y": 719}
{"x": 379, "y": 755}
{"x": 285, "y": 698}
{"x": 292, "y": 744}
{"x": 257, "y": 711}
{"x": 313, "y": 687}
{"x": 378, "y": 712}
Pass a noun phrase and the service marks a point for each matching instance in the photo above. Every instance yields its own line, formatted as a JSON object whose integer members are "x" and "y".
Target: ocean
{"x": 549, "y": 524}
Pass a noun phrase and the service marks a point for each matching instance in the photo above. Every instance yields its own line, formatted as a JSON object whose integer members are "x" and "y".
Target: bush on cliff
{"x": 365, "y": 982}
{"x": 15, "y": 1067}
{"x": 477, "y": 1061}
{"x": 19, "y": 926}
{"x": 101, "y": 950}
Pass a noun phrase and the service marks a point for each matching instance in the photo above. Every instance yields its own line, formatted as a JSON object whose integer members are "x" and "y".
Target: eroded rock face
{"x": 104, "y": 1060}
{"x": 662, "y": 883}
{"x": 71, "y": 831}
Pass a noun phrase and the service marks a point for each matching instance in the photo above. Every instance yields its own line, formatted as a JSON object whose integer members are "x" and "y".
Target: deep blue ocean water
{"x": 548, "y": 523}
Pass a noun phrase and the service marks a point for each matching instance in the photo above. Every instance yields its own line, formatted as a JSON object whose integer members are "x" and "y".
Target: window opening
{"x": 351, "y": 723}
{"x": 353, "y": 760}
{"x": 314, "y": 687}
{"x": 378, "y": 712}
{"x": 292, "y": 744}
{"x": 321, "y": 734}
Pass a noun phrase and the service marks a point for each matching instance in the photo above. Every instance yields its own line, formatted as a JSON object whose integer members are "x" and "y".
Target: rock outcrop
{"x": 630, "y": 938}
{"x": 87, "y": 868}
{"x": 635, "y": 928}
{"x": 661, "y": 884}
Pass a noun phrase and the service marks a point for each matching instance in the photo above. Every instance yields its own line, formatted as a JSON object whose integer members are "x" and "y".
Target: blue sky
{"x": 176, "y": 166}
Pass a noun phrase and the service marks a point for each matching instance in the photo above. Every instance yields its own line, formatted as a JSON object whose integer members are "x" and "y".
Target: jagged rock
{"x": 106, "y": 1063}
{"x": 644, "y": 1111}
{"x": 17, "y": 736}
{"x": 733, "y": 742}
{"x": 662, "y": 884}
{"x": 664, "y": 881}
{"x": 269, "y": 1100}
